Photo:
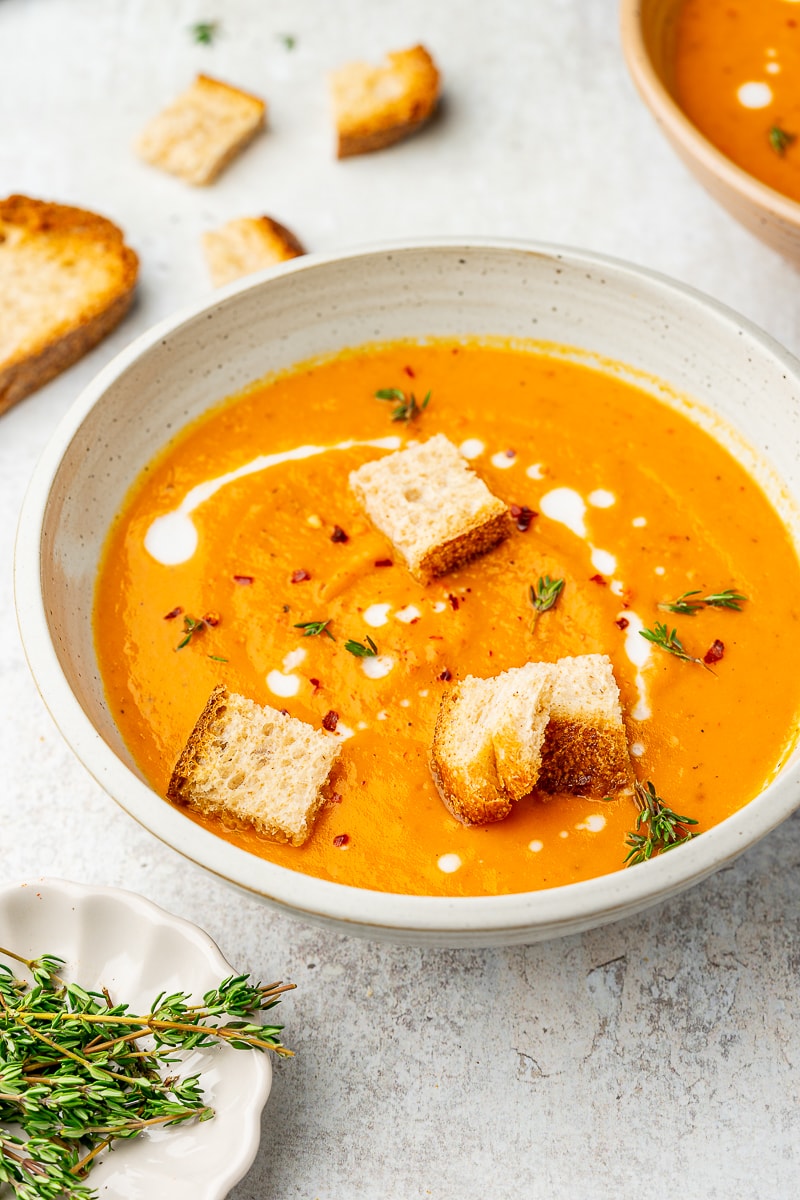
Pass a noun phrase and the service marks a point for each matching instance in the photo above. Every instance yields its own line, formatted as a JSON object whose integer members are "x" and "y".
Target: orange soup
{"x": 737, "y": 77}
{"x": 247, "y": 519}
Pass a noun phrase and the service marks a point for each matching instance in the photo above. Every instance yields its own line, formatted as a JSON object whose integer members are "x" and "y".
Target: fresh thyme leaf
{"x": 288, "y": 40}
{"x": 312, "y": 628}
{"x": 780, "y": 139}
{"x": 657, "y": 829}
{"x": 661, "y": 636}
{"x": 687, "y": 607}
{"x": 407, "y": 407}
{"x": 217, "y": 658}
{"x": 544, "y": 595}
{"x": 204, "y": 32}
{"x": 75, "y": 1076}
{"x": 360, "y": 650}
{"x": 190, "y": 628}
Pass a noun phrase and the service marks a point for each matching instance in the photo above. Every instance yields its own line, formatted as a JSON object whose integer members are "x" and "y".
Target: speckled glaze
{"x": 748, "y": 394}
{"x": 116, "y": 939}
{"x": 648, "y": 38}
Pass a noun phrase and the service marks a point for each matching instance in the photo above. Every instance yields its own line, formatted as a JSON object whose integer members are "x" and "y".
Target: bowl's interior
{"x": 315, "y": 307}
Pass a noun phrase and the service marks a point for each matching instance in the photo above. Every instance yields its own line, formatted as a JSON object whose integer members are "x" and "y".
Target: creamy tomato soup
{"x": 246, "y": 519}
{"x": 737, "y": 77}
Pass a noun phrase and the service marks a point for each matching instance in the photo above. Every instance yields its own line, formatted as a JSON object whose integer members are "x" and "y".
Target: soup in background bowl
{"x": 721, "y": 80}
{"x": 502, "y": 335}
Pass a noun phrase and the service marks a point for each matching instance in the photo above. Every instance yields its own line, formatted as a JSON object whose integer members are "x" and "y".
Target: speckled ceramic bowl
{"x": 313, "y": 306}
{"x": 118, "y": 940}
{"x": 648, "y": 40}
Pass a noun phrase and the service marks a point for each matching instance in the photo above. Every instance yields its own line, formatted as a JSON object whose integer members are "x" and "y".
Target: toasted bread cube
{"x": 431, "y": 505}
{"x": 377, "y": 106}
{"x": 250, "y": 765}
{"x": 66, "y": 279}
{"x": 199, "y": 133}
{"x": 245, "y": 245}
{"x": 487, "y": 745}
{"x": 585, "y": 748}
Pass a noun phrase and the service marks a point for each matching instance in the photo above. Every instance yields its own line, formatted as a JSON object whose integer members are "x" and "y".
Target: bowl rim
{"x": 232, "y": 1169}
{"x": 516, "y": 916}
{"x": 668, "y": 112}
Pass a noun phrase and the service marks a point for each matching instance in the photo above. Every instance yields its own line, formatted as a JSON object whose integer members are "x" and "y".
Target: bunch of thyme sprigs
{"x": 78, "y": 1071}
{"x": 658, "y": 828}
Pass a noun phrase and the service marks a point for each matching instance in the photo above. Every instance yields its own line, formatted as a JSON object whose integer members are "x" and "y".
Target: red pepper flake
{"x": 511, "y": 454}
{"x": 715, "y": 652}
{"x": 244, "y": 580}
{"x": 330, "y": 720}
{"x": 212, "y": 619}
{"x": 453, "y": 601}
{"x": 383, "y": 562}
{"x": 409, "y": 372}
{"x": 598, "y": 579}
{"x": 446, "y": 675}
{"x": 523, "y": 516}
{"x": 622, "y": 622}
{"x": 176, "y": 612}
{"x": 315, "y": 683}
{"x": 335, "y": 798}
{"x": 341, "y": 839}
{"x": 284, "y": 712}
{"x": 339, "y": 534}
{"x": 300, "y": 576}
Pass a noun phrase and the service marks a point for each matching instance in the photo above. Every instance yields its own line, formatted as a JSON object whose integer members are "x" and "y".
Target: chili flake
{"x": 341, "y": 839}
{"x": 176, "y": 612}
{"x": 715, "y": 652}
{"x": 244, "y": 580}
{"x": 622, "y": 622}
{"x": 339, "y": 534}
{"x": 598, "y": 579}
{"x": 453, "y": 601}
{"x": 446, "y": 675}
{"x": 330, "y": 720}
{"x": 300, "y": 576}
{"x": 383, "y": 562}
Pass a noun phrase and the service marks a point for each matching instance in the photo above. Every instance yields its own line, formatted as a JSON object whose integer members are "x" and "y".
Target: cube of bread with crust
{"x": 377, "y": 106}
{"x": 198, "y": 134}
{"x": 432, "y": 507}
{"x": 487, "y": 745}
{"x": 585, "y": 747}
{"x": 66, "y": 279}
{"x": 250, "y": 765}
{"x": 247, "y": 244}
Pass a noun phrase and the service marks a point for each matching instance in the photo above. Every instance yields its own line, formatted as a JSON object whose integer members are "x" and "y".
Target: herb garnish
{"x": 190, "y": 628}
{"x": 75, "y": 1075}
{"x": 217, "y": 658}
{"x": 360, "y": 650}
{"x": 204, "y": 32}
{"x": 687, "y": 607}
{"x": 312, "y": 628}
{"x": 544, "y": 595}
{"x": 661, "y": 636}
{"x": 288, "y": 39}
{"x": 780, "y": 139}
{"x": 407, "y": 406}
{"x": 658, "y": 828}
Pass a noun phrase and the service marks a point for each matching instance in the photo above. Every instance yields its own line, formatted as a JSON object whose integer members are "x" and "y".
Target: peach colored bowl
{"x": 648, "y": 40}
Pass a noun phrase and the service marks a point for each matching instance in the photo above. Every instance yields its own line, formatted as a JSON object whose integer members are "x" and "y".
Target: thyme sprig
{"x": 204, "y": 32}
{"x": 408, "y": 408}
{"x": 314, "y": 628}
{"x": 191, "y": 626}
{"x": 360, "y": 650}
{"x": 661, "y": 636}
{"x": 78, "y": 1071}
{"x": 657, "y": 829}
{"x": 544, "y": 595}
{"x": 687, "y": 607}
{"x": 780, "y": 139}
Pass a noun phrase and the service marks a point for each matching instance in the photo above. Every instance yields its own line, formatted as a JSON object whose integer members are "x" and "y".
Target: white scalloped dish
{"x": 115, "y": 939}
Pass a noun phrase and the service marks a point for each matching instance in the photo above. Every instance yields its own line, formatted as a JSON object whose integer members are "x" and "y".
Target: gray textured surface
{"x": 657, "y": 1056}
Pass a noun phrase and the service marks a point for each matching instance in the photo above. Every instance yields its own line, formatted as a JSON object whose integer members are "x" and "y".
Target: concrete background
{"x": 658, "y": 1055}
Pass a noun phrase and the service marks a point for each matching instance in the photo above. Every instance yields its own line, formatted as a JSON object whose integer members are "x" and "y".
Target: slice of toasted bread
{"x": 431, "y": 505}
{"x": 198, "y": 134}
{"x": 377, "y": 106}
{"x": 66, "y": 279}
{"x": 250, "y": 765}
{"x": 585, "y": 748}
{"x": 486, "y": 749}
{"x": 245, "y": 245}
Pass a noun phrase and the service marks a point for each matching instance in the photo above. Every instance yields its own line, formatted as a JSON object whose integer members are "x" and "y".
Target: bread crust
{"x": 462, "y": 549}
{"x": 385, "y": 120}
{"x": 480, "y": 800}
{"x": 585, "y": 759}
{"x": 217, "y": 703}
{"x": 66, "y": 230}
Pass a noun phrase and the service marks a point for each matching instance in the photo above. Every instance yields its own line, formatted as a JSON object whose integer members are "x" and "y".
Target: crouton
{"x": 585, "y": 747}
{"x": 432, "y": 507}
{"x": 254, "y": 766}
{"x": 66, "y": 279}
{"x": 198, "y": 134}
{"x": 377, "y": 106}
{"x": 245, "y": 245}
{"x": 487, "y": 745}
